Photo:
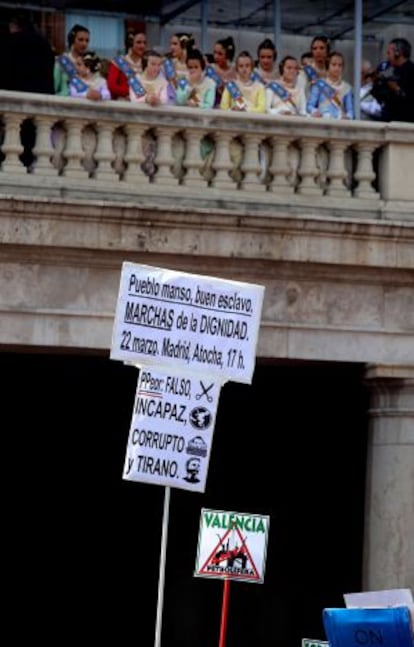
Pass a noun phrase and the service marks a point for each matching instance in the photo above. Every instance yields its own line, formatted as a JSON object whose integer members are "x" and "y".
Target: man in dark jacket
{"x": 394, "y": 88}
{"x": 30, "y": 59}
{"x": 29, "y": 68}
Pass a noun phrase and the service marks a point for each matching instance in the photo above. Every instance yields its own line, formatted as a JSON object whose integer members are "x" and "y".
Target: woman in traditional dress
{"x": 151, "y": 88}
{"x": 123, "y": 66}
{"x": 89, "y": 83}
{"x": 198, "y": 92}
{"x": 65, "y": 68}
{"x": 180, "y": 44}
{"x": 317, "y": 67}
{"x": 285, "y": 96}
{"x": 222, "y": 66}
{"x": 266, "y": 68}
{"x": 243, "y": 95}
{"x": 332, "y": 97}
{"x": 154, "y": 86}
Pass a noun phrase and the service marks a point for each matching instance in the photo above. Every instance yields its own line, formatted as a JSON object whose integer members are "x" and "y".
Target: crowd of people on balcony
{"x": 314, "y": 86}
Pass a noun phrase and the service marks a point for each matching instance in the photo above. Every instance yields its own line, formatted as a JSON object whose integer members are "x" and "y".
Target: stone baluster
{"x": 164, "y": 159}
{"x": 134, "y": 155}
{"x": 73, "y": 152}
{"x": 222, "y": 163}
{"x": 192, "y": 160}
{"x": 308, "y": 169}
{"x": 104, "y": 154}
{"x": 364, "y": 174}
{"x": 336, "y": 172}
{"x": 43, "y": 149}
{"x": 250, "y": 165}
{"x": 12, "y": 147}
{"x": 279, "y": 168}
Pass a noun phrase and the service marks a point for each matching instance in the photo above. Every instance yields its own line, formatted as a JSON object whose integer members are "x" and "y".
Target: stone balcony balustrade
{"x": 317, "y": 166}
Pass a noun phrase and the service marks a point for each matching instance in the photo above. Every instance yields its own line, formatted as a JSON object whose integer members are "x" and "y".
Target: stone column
{"x": 389, "y": 519}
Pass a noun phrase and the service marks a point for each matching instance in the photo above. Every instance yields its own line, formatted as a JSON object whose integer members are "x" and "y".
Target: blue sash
{"x": 255, "y": 76}
{"x": 67, "y": 65}
{"x": 329, "y": 92}
{"x": 182, "y": 83}
{"x": 311, "y": 73}
{"x": 235, "y": 92}
{"x": 212, "y": 74}
{"x": 78, "y": 84}
{"x": 70, "y": 70}
{"x": 388, "y": 627}
{"x": 279, "y": 90}
{"x": 133, "y": 81}
{"x": 169, "y": 70}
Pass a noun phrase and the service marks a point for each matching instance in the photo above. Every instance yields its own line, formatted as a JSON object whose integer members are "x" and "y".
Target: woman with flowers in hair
{"x": 175, "y": 64}
{"x": 88, "y": 82}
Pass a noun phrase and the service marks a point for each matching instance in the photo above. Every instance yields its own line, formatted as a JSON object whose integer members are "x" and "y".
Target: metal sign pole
{"x": 224, "y": 613}
{"x": 161, "y": 577}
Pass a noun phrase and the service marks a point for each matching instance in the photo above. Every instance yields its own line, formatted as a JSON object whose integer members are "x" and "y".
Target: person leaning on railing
{"x": 88, "y": 83}
{"x": 150, "y": 88}
{"x": 242, "y": 95}
{"x": 199, "y": 91}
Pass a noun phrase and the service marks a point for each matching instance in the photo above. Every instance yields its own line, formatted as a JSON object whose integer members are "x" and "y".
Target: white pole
{"x": 161, "y": 577}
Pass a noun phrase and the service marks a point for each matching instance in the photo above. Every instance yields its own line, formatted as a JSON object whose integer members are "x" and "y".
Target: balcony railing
{"x": 121, "y": 151}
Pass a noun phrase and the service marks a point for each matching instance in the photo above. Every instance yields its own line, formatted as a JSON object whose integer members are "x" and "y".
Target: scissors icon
{"x": 205, "y": 392}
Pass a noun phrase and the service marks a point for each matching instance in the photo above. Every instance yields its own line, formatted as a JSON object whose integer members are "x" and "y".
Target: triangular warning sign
{"x": 232, "y": 560}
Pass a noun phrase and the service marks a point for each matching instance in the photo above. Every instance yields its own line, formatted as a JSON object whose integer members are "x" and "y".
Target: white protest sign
{"x": 171, "y": 430}
{"x": 232, "y": 545}
{"x": 379, "y": 599}
{"x": 187, "y": 323}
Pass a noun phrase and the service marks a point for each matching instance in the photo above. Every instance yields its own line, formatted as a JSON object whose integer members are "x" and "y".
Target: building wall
{"x": 291, "y": 445}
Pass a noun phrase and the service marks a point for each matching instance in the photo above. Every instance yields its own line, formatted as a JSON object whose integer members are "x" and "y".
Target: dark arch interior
{"x": 84, "y": 545}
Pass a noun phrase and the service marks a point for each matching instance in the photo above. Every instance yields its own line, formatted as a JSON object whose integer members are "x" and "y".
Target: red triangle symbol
{"x": 232, "y": 561}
